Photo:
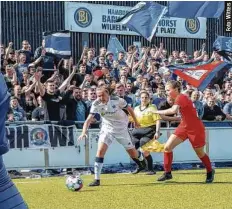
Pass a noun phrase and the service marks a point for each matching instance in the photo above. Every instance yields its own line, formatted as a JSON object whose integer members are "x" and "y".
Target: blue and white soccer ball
{"x": 74, "y": 183}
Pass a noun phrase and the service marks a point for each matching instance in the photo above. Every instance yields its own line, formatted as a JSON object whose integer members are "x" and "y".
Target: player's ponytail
{"x": 175, "y": 85}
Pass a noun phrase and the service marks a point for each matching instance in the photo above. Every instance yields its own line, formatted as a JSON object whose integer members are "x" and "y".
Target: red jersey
{"x": 189, "y": 118}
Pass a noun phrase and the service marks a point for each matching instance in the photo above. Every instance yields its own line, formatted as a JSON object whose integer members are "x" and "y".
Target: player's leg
{"x": 206, "y": 162}
{"x": 103, "y": 144}
{"x": 9, "y": 195}
{"x": 172, "y": 142}
{"x": 148, "y": 157}
{"x": 125, "y": 140}
{"x": 137, "y": 157}
{"x": 197, "y": 139}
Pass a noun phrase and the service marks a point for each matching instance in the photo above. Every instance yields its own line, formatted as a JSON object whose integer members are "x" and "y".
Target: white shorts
{"x": 122, "y": 137}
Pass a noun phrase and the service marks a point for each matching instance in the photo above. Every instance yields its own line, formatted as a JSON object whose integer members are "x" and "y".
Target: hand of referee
{"x": 137, "y": 125}
{"x": 82, "y": 137}
{"x": 157, "y": 136}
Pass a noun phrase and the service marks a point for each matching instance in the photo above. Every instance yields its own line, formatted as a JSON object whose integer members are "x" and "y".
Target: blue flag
{"x": 115, "y": 46}
{"x": 4, "y": 107}
{"x": 223, "y": 46}
{"x": 144, "y": 18}
{"x": 58, "y": 43}
{"x": 202, "y": 75}
{"x": 193, "y": 9}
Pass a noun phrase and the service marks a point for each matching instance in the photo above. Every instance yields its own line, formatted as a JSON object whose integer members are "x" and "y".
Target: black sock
{"x": 149, "y": 162}
{"x": 137, "y": 161}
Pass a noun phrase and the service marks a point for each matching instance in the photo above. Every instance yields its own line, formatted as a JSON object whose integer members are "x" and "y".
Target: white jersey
{"x": 114, "y": 119}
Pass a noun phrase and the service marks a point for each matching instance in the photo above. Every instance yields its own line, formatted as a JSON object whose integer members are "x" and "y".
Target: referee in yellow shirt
{"x": 150, "y": 128}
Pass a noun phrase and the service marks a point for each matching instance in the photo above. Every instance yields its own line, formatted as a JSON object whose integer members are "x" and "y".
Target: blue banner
{"x": 194, "y": 9}
{"x": 144, "y": 18}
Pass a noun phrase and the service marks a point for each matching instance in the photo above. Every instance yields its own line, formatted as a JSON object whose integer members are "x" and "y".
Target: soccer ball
{"x": 74, "y": 183}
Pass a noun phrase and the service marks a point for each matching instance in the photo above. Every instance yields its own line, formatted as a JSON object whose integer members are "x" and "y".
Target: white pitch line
{"x": 28, "y": 182}
{"x": 43, "y": 180}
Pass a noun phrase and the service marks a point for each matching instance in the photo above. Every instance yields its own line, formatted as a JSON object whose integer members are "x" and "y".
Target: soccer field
{"x": 185, "y": 190}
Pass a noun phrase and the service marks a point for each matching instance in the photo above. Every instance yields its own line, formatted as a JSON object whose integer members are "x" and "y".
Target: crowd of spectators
{"x": 44, "y": 87}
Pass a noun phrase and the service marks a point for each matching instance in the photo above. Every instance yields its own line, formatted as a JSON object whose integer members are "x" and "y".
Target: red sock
{"x": 168, "y": 156}
{"x": 206, "y": 161}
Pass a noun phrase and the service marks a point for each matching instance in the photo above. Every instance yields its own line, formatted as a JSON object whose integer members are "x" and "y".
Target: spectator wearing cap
{"x": 16, "y": 112}
{"x": 228, "y": 108}
{"x": 109, "y": 59}
{"x": 198, "y": 104}
{"x": 212, "y": 111}
{"x": 121, "y": 92}
{"x": 10, "y": 57}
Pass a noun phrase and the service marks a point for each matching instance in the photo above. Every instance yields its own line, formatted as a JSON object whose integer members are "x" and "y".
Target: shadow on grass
{"x": 166, "y": 183}
{"x": 89, "y": 190}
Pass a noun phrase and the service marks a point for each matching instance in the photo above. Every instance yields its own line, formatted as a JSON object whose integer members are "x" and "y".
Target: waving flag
{"x": 223, "y": 46}
{"x": 58, "y": 43}
{"x": 193, "y": 9}
{"x": 115, "y": 46}
{"x": 144, "y": 18}
{"x": 200, "y": 76}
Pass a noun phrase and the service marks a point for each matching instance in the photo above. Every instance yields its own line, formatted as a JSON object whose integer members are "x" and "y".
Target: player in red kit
{"x": 190, "y": 127}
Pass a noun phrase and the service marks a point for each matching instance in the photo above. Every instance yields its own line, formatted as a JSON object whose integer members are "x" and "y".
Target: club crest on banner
{"x": 39, "y": 137}
{"x": 192, "y": 25}
{"x": 83, "y": 17}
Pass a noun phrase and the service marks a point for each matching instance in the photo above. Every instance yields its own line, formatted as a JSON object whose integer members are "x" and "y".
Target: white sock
{"x": 97, "y": 170}
{"x": 140, "y": 156}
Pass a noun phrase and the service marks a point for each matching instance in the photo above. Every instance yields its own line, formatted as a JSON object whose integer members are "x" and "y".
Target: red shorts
{"x": 195, "y": 136}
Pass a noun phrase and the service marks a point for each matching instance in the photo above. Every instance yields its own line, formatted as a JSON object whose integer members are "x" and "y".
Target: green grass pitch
{"x": 185, "y": 190}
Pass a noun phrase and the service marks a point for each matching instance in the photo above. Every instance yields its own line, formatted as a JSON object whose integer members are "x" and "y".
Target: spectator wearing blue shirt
{"x": 198, "y": 104}
{"x": 16, "y": 112}
{"x": 228, "y": 109}
{"x": 25, "y": 50}
{"x": 120, "y": 92}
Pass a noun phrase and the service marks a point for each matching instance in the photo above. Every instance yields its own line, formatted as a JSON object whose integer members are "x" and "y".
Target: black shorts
{"x": 141, "y": 136}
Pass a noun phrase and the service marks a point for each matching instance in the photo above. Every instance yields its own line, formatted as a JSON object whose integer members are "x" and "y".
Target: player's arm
{"x": 173, "y": 110}
{"x": 131, "y": 112}
{"x": 86, "y": 126}
{"x": 169, "y": 118}
{"x": 157, "y": 132}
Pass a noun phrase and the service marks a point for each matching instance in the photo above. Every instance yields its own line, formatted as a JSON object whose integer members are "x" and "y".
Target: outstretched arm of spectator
{"x": 14, "y": 78}
{"x": 67, "y": 81}
{"x": 159, "y": 51}
{"x": 84, "y": 52}
{"x": 8, "y": 50}
{"x": 41, "y": 88}
{"x": 30, "y": 88}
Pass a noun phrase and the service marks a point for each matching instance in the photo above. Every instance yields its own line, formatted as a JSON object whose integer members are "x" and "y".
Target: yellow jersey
{"x": 145, "y": 117}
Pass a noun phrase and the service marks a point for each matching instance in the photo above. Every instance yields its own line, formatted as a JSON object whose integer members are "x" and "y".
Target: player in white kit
{"x": 114, "y": 127}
